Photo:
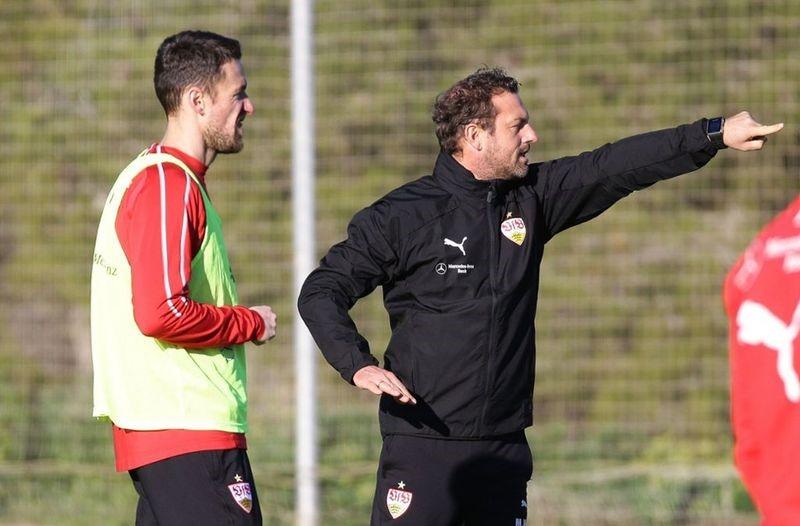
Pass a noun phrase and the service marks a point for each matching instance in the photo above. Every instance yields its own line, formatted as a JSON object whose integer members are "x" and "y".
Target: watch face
{"x": 714, "y": 125}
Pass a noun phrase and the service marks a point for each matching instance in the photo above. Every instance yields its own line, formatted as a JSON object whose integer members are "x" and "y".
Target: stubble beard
{"x": 222, "y": 142}
{"x": 520, "y": 170}
{"x": 501, "y": 169}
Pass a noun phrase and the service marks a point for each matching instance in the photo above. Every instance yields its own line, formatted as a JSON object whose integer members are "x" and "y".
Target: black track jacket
{"x": 460, "y": 282}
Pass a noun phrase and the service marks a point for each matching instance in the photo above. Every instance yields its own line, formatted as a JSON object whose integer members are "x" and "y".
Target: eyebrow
{"x": 521, "y": 120}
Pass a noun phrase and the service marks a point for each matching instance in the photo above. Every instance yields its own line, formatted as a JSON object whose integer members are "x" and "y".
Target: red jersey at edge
{"x": 762, "y": 300}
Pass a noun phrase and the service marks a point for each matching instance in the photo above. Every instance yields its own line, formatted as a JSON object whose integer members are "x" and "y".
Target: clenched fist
{"x": 270, "y": 323}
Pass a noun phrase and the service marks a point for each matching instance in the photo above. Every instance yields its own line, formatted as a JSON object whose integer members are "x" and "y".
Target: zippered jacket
{"x": 458, "y": 260}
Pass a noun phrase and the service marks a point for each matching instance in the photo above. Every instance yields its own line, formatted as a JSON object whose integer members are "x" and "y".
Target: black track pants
{"x": 435, "y": 482}
{"x": 213, "y": 488}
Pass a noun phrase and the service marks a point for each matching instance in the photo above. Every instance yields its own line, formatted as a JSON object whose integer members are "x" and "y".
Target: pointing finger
{"x": 767, "y": 130}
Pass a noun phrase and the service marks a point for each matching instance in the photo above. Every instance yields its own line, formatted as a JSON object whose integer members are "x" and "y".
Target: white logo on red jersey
{"x": 759, "y": 326}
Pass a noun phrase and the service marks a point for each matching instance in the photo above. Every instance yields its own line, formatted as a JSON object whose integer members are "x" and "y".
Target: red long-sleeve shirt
{"x": 160, "y": 225}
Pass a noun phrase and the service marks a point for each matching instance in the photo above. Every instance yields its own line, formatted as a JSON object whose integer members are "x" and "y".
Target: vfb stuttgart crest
{"x": 242, "y": 495}
{"x": 514, "y": 229}
{"x": 398, "y": 501}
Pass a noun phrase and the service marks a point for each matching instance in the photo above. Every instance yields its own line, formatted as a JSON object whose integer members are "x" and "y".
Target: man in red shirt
{"x": 189, "y": 475}
{"x": 762, "y": 299}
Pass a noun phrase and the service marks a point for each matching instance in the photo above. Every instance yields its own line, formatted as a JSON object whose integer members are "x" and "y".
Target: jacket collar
{"x": 456, "y": 179}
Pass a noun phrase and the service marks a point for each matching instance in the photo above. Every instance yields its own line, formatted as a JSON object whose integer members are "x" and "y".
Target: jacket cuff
{"x": 697, "y": 140}
{"x": 361, "y": 361}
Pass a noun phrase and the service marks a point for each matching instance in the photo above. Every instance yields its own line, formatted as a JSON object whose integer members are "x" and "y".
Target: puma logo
{"x": 759, "y": 326}
{"x": 460, "y": 246}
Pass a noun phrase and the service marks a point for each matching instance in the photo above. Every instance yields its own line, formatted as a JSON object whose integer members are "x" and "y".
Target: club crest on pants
{"x": 398, "y": 500}
{"x": 242, "y": 495}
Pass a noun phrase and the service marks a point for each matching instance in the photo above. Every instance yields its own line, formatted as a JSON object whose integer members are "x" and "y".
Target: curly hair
{"x": 191, "y": 58}
{"x": 469, "y": 100}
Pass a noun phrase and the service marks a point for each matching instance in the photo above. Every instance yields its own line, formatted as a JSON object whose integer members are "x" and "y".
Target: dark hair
{"x": 469, "y": 100}
{"x": 191, "y": 58}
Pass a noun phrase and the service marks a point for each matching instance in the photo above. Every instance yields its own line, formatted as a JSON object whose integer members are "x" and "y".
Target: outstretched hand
{"x": 379, "y": 381}
{"x": 743, "y": 133}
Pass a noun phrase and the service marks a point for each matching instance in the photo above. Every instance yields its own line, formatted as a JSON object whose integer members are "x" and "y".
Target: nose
{"x": 529, "y": 134}
{"x": 248, "y": 106}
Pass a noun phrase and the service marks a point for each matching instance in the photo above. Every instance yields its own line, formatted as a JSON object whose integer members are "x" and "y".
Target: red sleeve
{"x": 160, "y": 225}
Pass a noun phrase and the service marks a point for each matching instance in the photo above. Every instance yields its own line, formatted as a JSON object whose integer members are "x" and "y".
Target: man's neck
{"x": 188, "y": 138}
{"x": 474, "y": 167}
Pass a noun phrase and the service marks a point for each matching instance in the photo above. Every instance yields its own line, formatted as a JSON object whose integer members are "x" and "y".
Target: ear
{"x": 196, "y": 100}
{"x": 474, "y": 136}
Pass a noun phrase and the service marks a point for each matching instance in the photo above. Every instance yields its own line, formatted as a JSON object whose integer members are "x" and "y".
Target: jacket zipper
{"x": 490, "y": 198}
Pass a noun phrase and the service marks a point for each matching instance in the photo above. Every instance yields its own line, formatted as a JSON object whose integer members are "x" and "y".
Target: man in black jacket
{"x": 458, "y": 256}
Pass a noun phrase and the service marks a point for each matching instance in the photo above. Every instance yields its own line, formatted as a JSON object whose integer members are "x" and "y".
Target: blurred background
{"x": 632, "y": 417}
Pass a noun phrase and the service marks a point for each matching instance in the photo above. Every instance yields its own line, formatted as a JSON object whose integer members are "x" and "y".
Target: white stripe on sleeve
{"x": 164, "y": 259}
{"x": 184, "y": 230}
